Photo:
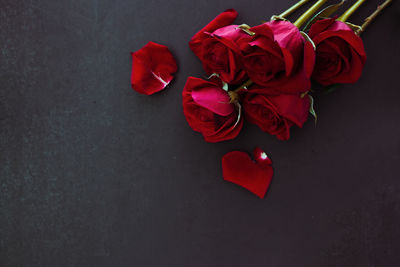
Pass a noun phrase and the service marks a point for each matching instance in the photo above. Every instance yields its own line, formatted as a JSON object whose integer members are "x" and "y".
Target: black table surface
{"x": 94, "y": 174}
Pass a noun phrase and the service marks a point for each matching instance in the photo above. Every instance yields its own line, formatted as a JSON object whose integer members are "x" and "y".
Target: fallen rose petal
{"x": 240, "y": 169}
{"x": 152, "y": 68}
{"x": 261, "y": 157}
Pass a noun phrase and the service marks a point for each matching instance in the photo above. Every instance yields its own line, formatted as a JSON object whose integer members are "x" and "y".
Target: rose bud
{"x": 340, "y": 54}
{"x": 208, "y": 110}
{"x": 215, "y": 45}
{"x": 278, "y": 58}
{"x": 275, "y": 114}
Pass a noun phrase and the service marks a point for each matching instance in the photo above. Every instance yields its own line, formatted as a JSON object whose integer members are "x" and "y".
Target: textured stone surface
{"x": 94, "y": 174}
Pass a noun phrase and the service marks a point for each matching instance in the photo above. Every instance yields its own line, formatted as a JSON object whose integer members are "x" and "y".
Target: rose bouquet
{"x": 263, "y": 73}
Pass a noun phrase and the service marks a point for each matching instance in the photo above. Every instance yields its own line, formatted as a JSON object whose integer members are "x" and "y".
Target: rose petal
{"x": 320, "y": 26}
{"x": 292, "y": 107}
{"x": 292, "y": 51}
{"x": 338, "y": 25}
{"x": 152, "y": 68}
{"x": 228, "y": 35}
{"x": 338, "y": 29}
{"x": 261, "y": 157}
{"x": 288, "y": 61}
{"x": 275, "y": 114}
{"x": 222, "y": 20}
{"x": 214, "y": 99}
{"x": 354, "y": 73}
{"x": 263, "y": 30}
{"x": 255, "y": 176}
{"x": 288, "y": 36}
{"x": 309, "y": 58}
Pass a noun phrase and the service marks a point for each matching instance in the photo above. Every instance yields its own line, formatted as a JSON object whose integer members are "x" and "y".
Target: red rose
{"x": 208, "y": 110}
{"x": 215, "y": 45}
{"x": 275, "y": 114}
{"x": 278, "y": 57}
{"x": 340, "y": 54}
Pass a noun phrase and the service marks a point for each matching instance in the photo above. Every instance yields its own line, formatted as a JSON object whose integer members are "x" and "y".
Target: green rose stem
{"x": 369, "y": 19}
{"x": 310, "y": 12}
{"x": 293, "y": 8}
{"x": 350, "y": 11}
{"x": 234, "y": 93}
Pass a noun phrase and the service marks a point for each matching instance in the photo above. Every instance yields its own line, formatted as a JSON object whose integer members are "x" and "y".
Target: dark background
{"x": 94, "y": 174}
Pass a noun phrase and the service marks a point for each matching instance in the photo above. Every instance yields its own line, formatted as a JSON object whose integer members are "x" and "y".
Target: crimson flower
{"x": 276, "y": 114}
{"x": 216, "y": 46}
{"x": 278, "y": 57}
{"x": 340, "y": 52}
{"x": 208, "y": 110}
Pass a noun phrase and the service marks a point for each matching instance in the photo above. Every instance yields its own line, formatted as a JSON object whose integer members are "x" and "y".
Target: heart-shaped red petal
{"x": 255, "y": 176}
